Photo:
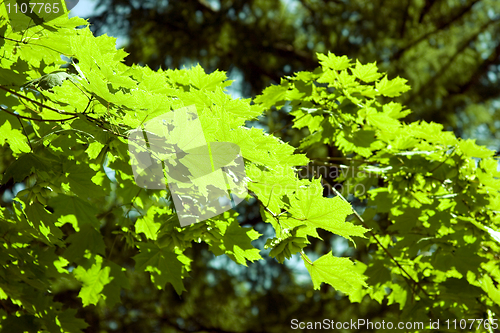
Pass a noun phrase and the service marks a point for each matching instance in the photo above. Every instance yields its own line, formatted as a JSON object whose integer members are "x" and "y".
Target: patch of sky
{"x": 291, "y": 6}
{"x": 215, "y": 4}
{"x": 296, "y": 265}
{"x": 109, "y": 172}
{"x": 237, "y": 86}
{"x": 341, "y": 246}
{"x": 88, "y": 8}
{"x": 113, "y": 325}
{"x": 9, "y": 195}
{"x": 199, "y": 17}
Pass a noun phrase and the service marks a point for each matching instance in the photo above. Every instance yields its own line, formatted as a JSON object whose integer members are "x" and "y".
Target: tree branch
{"x": 444, "y": 68}
{"x": 481, "y": 70}
{"x": 36, "y": 102}
{"x": 405, "y": 19}
{"x": 34, "y": 119}
{"x": 442, "y": 26}
{"x": 426, "y": 9}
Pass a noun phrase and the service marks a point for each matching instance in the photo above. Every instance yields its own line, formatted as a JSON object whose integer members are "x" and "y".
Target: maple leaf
{"x": 324, "y": 213}
{"x": 93, "y": 279}
{"x": 337, "y": 272}
{"x": 164, "y": 265}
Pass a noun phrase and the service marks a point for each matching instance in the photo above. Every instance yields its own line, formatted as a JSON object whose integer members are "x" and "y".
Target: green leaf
{"x": 80, "y": 178}
{"x": 119, "y": 281}
{"x": 491, "y": 290}
{"x": 70, "y": 323}
{"x": 366, "y": 73}
{"x": 272, "y": 95}
{"x": 392, "y": 88}
{"x": 334, "y": 62}
{"x": 94, "y": 280}
{"x": 164, "y": 266}
{"x": 147, "y": 225}
{"x": 14, "y": 137}
{"x": 395, "y": 110}
{"x": 94, "y": 149}
{"x": 398, "y": 295}
{"x": 337, "y": 272}
{"x": 324, "y": 213}
{"x": 271, "y": 186}
{"x": 88, "y": 238}
{"x": 48, "y": 81}
{"x": 201, "y": 80}
{"x": 42, "y": 221}
{"x": 74, "y": 210}
{"x": 381, "y": 121}
{"x": 237, "y": 243}
{"x": 471, "y": 149}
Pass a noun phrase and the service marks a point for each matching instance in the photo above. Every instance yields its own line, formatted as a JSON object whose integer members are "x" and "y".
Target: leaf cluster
{"x": 430, "y": 199}
{"x": 64, "y": 127}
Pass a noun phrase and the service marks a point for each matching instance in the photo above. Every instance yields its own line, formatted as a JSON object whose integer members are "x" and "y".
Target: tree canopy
{"x": 447, "y": 50}
{"x": 367, "y": 216}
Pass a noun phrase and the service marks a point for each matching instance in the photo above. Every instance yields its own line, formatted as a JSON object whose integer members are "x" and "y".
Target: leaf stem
{"x": 342, "y": 159}
{"x": 25, "y": 134}
{"x": 98, "y": 123}
{"x": 446, "y": 159}
{"x": 303, "y": 255}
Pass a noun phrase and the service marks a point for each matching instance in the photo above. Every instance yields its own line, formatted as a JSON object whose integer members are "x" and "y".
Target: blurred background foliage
{"x": 449, "y": 51}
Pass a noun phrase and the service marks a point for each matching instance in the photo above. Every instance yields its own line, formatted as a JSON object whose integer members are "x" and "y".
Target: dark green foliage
{"x": 82, "y": 236}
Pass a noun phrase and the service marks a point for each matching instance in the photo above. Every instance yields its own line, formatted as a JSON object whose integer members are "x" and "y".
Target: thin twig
{"x": 131, "y": 206}
{"x": 342, "y": 159}
{"x": 446, "y": 159}
{"x": 88, "y": 104}
{"x": 34, "y": 119}
{"x": 36, "y": 102}
{"x": 97, "y": 122}
{"x": 303, "y": 255}
{"x": 132, "y": 202}
{"x": 25, "y": 134}
{"x": 14, "y": 40}
{"x": 112, "y": 246}
{"x": 262, "y": 204}
{"x": 26, "y": 43}
{"x": 289, "y": 124}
